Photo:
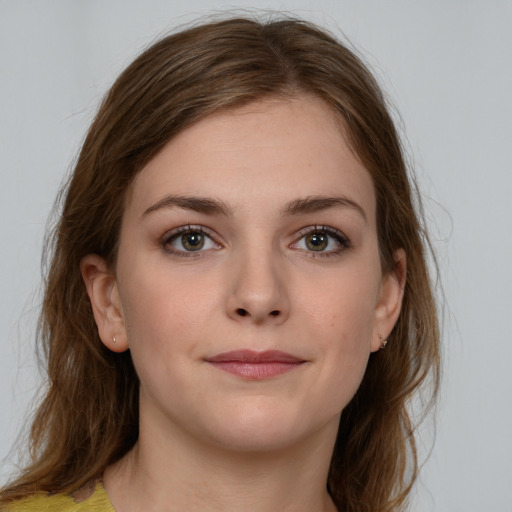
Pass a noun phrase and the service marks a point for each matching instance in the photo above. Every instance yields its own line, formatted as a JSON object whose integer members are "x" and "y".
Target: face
{"x": 248, "y": 285}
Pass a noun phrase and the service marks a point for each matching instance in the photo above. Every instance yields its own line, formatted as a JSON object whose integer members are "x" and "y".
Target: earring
{"x": 114, "y": 339}
{"x": 383, "y": 341}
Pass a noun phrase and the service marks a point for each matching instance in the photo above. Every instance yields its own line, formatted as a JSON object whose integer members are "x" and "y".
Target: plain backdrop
{"x": 446, "y": 65}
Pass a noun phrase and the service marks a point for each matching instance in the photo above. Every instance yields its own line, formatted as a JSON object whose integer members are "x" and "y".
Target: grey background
{"x": 447, "y": 66}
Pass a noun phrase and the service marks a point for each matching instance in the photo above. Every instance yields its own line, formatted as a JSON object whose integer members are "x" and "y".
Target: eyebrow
{"x": 311, "y": 204}
{"x": 210, "y": 206}
{"x": 198, "y": 204}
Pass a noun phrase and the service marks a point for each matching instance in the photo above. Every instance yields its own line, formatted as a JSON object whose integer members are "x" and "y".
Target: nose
{"x": 258, "y": 292}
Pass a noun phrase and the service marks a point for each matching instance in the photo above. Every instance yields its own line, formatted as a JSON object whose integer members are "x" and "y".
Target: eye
{"x": 188, "y": 239}
{"x": 324, "y": 240}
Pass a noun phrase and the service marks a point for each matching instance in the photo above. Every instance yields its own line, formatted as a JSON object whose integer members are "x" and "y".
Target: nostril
{"x": 244, "y": 312}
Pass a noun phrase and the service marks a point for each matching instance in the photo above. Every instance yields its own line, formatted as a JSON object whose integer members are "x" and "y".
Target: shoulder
{"x": 89, "y": 498}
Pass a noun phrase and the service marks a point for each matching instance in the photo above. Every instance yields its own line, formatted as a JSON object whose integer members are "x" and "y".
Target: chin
{"x": 263, "y": 428}
{"x": 260, "y": 439}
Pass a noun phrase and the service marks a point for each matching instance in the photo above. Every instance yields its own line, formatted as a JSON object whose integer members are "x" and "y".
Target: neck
{"x": 173, "y": 473}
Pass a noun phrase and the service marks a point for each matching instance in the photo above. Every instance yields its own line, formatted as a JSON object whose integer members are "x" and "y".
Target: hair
{"x": 88, "y": 417}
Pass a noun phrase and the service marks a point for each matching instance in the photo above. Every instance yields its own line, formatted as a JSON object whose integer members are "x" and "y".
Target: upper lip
{"x": 252, "y": 356}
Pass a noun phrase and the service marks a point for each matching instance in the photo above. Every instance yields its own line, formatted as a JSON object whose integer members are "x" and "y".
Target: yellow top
{"x": 89, "y": 498}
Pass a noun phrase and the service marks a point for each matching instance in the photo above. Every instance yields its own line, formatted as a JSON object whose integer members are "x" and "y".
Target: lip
{"x": 253, "y": 365}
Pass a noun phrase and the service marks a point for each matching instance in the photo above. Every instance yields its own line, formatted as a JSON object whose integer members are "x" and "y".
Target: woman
{"x": 238, "y": 308}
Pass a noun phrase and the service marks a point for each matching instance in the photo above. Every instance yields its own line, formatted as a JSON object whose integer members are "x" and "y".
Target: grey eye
{"x": 190, "y": 240}
{"x": 316, "y": 241}
{"x": 193, "y": 241}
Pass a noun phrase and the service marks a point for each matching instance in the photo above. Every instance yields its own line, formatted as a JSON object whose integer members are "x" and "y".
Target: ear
{"x": 389, "y": 304}
{"x": 103, "y": 293}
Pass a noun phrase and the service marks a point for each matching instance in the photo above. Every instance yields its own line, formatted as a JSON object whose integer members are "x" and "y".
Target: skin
{"x": 211, "y": 440}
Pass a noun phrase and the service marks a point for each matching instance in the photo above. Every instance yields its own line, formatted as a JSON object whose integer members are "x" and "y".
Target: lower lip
{"x": 256, "y": 371}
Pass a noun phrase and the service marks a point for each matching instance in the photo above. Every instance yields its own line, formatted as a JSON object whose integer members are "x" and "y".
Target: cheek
{"x": 158, "y": 296}
{"x": 341, "y": 320}
{"x": 342, "y": 309}
{"x": 158, "y": 316}
{"x": 164, "y": 336}
{"x": 170, "y": 318}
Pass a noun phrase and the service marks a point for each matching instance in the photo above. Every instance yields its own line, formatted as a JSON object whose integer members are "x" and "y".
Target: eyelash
{"x": 173, "y": 235}
{"x": 338, "y": 236}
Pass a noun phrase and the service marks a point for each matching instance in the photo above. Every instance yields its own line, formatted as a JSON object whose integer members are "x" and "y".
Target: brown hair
{"x": 89, "y": 415}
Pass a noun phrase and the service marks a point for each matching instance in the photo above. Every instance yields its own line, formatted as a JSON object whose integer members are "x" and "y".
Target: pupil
{"x": 192, "y": 241}
{"x": 316, "y": 241}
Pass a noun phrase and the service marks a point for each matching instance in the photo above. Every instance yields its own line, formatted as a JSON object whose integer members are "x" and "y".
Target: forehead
{"x": 262, "y": 154}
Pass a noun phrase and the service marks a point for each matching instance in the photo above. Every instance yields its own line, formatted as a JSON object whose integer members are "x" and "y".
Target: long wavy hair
{"x": 88, "y": 417}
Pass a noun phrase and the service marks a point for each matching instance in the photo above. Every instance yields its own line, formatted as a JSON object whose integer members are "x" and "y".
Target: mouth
{"x": 252, "y": 365}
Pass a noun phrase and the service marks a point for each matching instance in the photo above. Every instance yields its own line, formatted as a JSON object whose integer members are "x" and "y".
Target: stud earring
{"x": 383, "y": 341}
{"x": 114, "y": 339}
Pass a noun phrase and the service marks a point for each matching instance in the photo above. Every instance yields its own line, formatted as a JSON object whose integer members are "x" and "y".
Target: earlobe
{"x": 103, "y": 293}
{"x": 389, "y": 305}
